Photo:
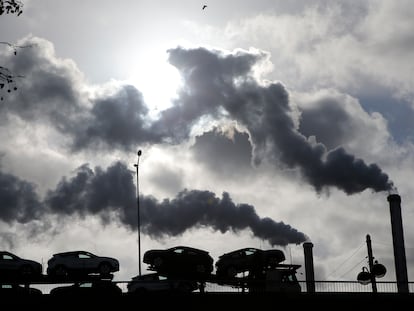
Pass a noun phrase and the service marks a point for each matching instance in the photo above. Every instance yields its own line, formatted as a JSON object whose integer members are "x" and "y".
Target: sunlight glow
{"x": 157, "y": 80}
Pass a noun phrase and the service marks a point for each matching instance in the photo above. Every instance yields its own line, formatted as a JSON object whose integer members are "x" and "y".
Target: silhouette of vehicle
{"x": 13, "y": 289}
{"x": 180, "y": 262}
{"x": 101, "y": 288}
{"x": 281, "y": 278}
{"x": 247, "y": 259}
{"x": 80, "y": 263}
{"x": 12, "y": 266}
{"x": 153, "y": 282}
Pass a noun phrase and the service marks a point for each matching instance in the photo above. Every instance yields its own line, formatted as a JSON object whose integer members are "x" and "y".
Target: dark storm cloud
{"x": 18, "y": 200}
{"x": 223, "y": 154}
{"x": 216, "y": 80}
{"x": 99, "y": 192}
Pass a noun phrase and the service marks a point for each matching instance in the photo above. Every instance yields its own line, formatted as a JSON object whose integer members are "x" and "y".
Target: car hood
{"x": 151, "y": 254}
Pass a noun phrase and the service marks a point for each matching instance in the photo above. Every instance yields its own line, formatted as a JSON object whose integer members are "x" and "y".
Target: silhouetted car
{"x": 153, "y": 282}
{"x": 247, "y": 259}
{"x": 180, "y": 261}
{"x": 101, "y": 288}
{"x": 8, "y": 290}
{"x": 281, "y": 278}
{"x": 80, "y": 263}
{"x": 12, "y": 266}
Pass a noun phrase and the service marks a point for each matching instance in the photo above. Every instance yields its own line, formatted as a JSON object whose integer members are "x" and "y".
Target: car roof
{"x": 243, "y": 249}
{"x": 72, "y": 253}
{"x": 189, "y": 248}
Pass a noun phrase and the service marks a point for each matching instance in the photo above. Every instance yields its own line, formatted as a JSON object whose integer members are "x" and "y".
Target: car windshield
{"x": 250, "y": 251}
{"x": 84, "y": 255}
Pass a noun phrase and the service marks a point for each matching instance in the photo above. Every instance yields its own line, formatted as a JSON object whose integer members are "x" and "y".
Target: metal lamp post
{"x": 376, "y": 270}
{"x": 138, "y": 216}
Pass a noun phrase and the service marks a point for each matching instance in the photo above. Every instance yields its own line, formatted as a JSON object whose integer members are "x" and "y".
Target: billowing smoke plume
{"x": 18, "y": 200}
{"x": 203, "y": 209}
{"x": 222, "y": 84}
{"x": 216, "y": 84}
{"x": 113, "y": 192}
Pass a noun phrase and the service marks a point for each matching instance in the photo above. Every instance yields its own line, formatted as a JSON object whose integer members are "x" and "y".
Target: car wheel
{"x": 104, "y": 268}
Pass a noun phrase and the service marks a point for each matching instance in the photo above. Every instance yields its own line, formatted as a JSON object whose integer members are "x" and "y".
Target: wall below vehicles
{"x": 215, "y": 301}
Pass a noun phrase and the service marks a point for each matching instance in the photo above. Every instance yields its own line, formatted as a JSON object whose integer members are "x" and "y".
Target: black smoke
{"x": 217, "y": 84}
{"x": 226, "y": 153}
{"x": 18, "y": 200}
{"x": 105, "y": 193}
{"x": 196, "y": 208}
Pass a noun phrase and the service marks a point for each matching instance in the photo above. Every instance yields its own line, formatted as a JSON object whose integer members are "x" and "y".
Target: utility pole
{"x": 376, "y": 270}
{"x": 371, "y": 264}
{"x": 138, "y": 216}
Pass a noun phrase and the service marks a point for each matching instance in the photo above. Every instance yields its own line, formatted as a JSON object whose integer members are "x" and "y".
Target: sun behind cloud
{"x": 156, "y": 79}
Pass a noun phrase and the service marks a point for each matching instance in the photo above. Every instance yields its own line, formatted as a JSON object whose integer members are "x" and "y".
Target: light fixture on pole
{"x": 138, "y": 216}
{"x": 376, "y": 270}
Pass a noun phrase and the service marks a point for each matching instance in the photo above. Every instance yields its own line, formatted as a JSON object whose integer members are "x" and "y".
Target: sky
{"x": 261, "y": 124}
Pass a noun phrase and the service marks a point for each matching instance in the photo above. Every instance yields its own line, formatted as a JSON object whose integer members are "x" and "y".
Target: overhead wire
{"x": 353, "y": 267}
{"x": 353, "y": 254}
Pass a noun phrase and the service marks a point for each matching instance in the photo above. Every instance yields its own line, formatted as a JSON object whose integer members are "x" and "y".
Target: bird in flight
{"x": 204, "y": 6}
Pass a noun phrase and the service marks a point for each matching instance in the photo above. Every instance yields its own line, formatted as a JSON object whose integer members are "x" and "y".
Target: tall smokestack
{"x": 398, "y": 242}
{"x": 310, "y": 276}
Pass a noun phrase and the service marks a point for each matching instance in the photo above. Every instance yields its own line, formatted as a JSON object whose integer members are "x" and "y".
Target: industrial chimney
{"x": 310, "y": 275}
{"x": 398, "y": 242}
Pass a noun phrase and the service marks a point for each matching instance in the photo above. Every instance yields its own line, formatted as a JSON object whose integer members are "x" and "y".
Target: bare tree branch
{"x": 7, "y": 79}
{"x": 11, "y": 7}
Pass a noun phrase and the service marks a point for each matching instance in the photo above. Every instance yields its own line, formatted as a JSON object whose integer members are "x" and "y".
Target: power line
{"x": 353, "y": 267}
{"x": 353, "y": 254}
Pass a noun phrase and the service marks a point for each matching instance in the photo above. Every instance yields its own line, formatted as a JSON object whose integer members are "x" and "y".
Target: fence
{"x": 354, "y": 287}
{"x": 325, "y": 287}
{"x": 320, "y": 286}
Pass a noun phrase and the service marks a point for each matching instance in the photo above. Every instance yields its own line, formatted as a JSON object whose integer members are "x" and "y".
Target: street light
{"x": 376, "y": 270}
{"x": 138, "y": 216}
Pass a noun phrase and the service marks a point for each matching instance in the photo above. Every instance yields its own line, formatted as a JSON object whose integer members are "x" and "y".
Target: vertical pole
{"x": 371, "y": 264}
{"x": 398, "y": 242}
{"x": 138, "y": 216}
{"x": 309, "y": 271}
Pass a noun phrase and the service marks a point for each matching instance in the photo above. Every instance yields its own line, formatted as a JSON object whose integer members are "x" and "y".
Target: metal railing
{"x": 324, "y": 287}
{"x": 320, "y": 287}
{"x": 354, "y": 287}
